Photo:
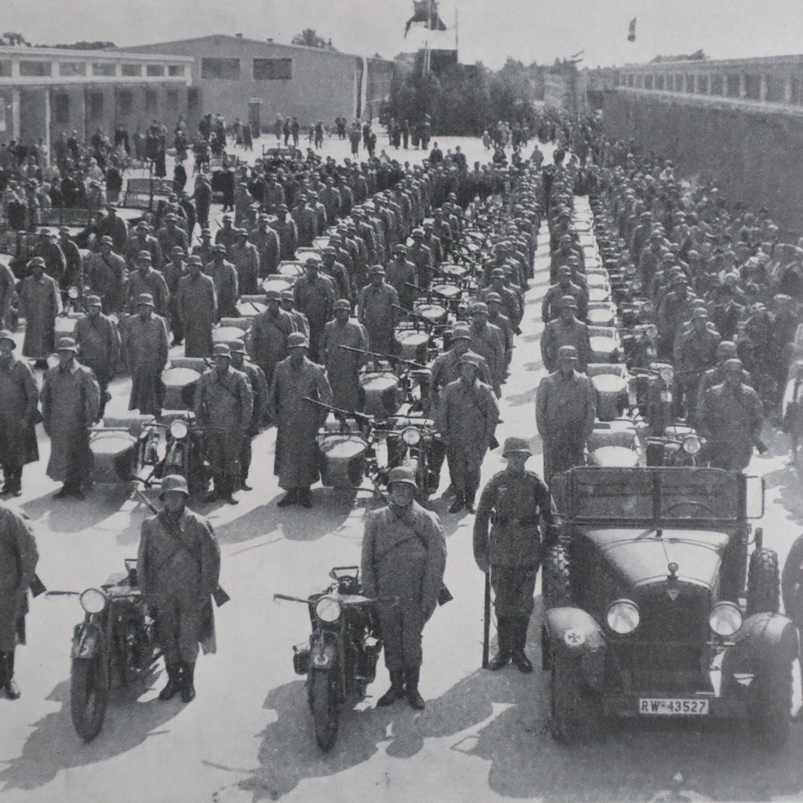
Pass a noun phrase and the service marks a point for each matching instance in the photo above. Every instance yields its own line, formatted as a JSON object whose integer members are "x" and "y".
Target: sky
{"x": 489, "y": 31}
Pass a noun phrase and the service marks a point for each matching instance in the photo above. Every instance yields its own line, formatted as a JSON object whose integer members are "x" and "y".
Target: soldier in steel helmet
{"x": 512, "y": 503}
{"x": 178, "y": 567}
{"x": 403, "y": 560}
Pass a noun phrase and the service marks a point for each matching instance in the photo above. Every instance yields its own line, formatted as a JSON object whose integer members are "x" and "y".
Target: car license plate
{"x": 667, "y": 706}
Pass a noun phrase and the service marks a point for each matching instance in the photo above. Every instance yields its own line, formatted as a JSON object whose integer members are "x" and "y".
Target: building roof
{"x": 69, "y": 52}
{"x": 220, "y": 38}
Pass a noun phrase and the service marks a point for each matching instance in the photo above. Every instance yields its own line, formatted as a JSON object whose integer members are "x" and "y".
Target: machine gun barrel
{"x": 391, "y": 358}
{"x": 360, "y": 418}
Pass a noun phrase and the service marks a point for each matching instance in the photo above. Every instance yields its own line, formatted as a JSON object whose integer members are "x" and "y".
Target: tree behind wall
{"x": 309, "y": 38}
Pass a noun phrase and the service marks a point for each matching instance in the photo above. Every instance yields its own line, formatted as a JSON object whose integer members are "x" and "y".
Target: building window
{"x": 61, "y": 108}
{"x": 5, "y": 69}
{"x": 131, "y": 70}
{"x": 795, "y": 94}
{"x": 690, "y": 83}
{"x": 175, "y": 70}
{"x": 716, "y": 85}
{"x": 273, "y": 69}
{"x": 733, "y": 86}
{"x": 193, "y": 99}
{"x": 69, "y": 68}
{"x": 702, "y": 84}
{"x": 104, "y": 68}
{"x": 659, "y": 81}
{"x": 227, "y": 69}
{"x": 95, "y": 106}
{"x": 172, "y": 100}
{"x": 125, "y": 102}
{"x": 775, "y": 89}
{"x": 150, "y": 101}
{"x": 752, "y": 87}
{"x": 631, "y": 79}
{"x": 648, "y": 82}
{"x": 154, "y": 70}
{"x": 34, "y": 69}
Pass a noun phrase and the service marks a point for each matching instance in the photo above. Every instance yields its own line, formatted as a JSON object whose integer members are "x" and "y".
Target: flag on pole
{"x": 631, "y": 34}
{"x": 425, "y": 11}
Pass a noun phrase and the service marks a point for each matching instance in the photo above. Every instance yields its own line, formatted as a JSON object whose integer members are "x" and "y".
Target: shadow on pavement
{"x": 73, "y": 515}
{"x": 54, "y": 745}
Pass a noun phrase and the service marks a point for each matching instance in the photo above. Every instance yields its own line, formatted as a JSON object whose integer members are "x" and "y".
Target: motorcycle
{"x": 183, "y": 453}
{"x": 411, "y": 440}
{"x": 113, "y": 647}
{"x": 340, "y": 658}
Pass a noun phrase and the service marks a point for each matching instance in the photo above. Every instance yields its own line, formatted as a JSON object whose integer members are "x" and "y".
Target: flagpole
{"x": 456, "y": 36}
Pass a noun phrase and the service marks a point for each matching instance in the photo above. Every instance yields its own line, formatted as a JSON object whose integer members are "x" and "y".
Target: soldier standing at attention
{"x": 511, "y": 503}
{"x": 178, "y": 566}
{"x": 404, "y": 556}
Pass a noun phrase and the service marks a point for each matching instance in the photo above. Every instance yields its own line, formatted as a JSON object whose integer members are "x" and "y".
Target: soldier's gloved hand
{"x": 484, "y": 565}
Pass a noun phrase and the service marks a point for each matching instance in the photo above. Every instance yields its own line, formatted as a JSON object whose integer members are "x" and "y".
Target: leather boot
{"x": 227, "y": 491}
{"x": 188, "y": 681}
{"x": 502, "y": 657}
{"x": 396, "y": 690}
{"x": 411, "y": 688}
{"x": 290, "y": 498}
{"x": 9, "y": 685}
{"x": 458, "y": 503}
{"x": 519, "y": 628}
{"x": 470, "y": 501}
{"x": 173, "y": 686}
{"x": 304, "y": 497}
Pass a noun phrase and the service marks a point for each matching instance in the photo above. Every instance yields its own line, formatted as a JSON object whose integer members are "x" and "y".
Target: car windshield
{"x": 648, "y": 494}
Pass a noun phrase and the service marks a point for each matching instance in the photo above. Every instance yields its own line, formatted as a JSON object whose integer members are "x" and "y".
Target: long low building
{"x": 47, "y": 91}
{"x": 257, "y": 80}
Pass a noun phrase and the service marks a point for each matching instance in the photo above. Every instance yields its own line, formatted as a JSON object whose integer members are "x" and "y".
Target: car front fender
{"x": 577, "y": 634}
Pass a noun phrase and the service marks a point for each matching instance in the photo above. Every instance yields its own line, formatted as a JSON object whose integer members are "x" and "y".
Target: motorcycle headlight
{"x": 328, "y": 609}
{"x": 73, "y": 292}
{"x": 623, "y": 617}
{"x": 52, "y": 360}
{"x": 179, "y": 429}
{"x": 652, "y": 331}
{"x": 93, "y": 600}
{"x": 411, "y": 436}
{"x": 667, "y": 373}
{"x": 637, "y": 286}
{"x": 725, "y": 619}
{"x": 692, "y": 444}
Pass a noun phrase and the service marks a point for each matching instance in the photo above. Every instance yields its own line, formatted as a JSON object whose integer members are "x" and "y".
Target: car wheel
{"x": 770, "y": 705}
{"x": 556, "y": 581}
{"x": 567, "y": 709}
{"x": 763, "y": 582}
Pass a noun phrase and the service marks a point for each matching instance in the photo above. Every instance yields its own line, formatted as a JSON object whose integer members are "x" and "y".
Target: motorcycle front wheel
{"x": 323, "y": 703}
{"x": 89, "y": 695}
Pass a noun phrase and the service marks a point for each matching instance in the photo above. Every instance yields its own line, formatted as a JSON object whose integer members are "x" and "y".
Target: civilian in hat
{"x": 19, "y": 400}
{"x": 343, "y": 367}
{"x": 266, "y": 241}
{"x": 288, "y": 233}
{"x": 403, "y": 559}
{"x": 299, "y": 318}
{"x": 112, "y": 225}
{"x": 227, "y": 285}
{"x": 467, "y": 418}
{"x": 401, "y": 273}
{"x": 376, "y": 310}
{"x": 72, "y": 261}
{"x": 297, "y": 421}
{"x": 178, "y": 568}
{"x": 315, "y": 295}
{"x": 106, "y": 273}
{"x": 269, "y": 333}
{"x": 566, "y": 331}
{"x": 224, "y": 403}
{"x": 18, "y": 559}
{"x": 70, "y": 403}
{"x": 245, "y": 258}
{"x": 49, "y": 250}
{"x": 39, "y": 304}
{"x": 486, "y": 340}
{"x": 196, "y": 309}
{"x": 514, "y": 502}
{"x": 259, "y": 388}
{"x": 146, "y": 280}
{"x": 98, "y": 342}
{"x": 565, "y": 407}
{"x": 142, "y": 240}
{"x": 144, "y": 350}
{"x": 732, "y": 419}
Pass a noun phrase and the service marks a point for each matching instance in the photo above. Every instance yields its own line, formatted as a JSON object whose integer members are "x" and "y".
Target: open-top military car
{"x": 653, "y": 608}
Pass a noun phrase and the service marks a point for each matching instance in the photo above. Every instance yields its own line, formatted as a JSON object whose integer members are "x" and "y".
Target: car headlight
{"x": 93, "y": 600}
{"x": 667, "y": 373}
{"x": 411, "y": 436}
{"x": 725, "y": 619}
{"x": 179, "y": 429}
{"x": 328, "y": 609}
{"x": 692, "y": 444}
{"x": 652, "y": 331}
{"x": 623, "y": 616}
